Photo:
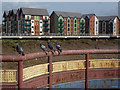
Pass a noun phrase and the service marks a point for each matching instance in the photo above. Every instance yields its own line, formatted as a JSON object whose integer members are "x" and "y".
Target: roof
{"x": 34, "y": 11}
{"x": 88, "y": 15}
{"x": 70, "y": 14}
{"x": 14, "y": 11}
{"x": 106, "y": 18}
{"x": 10, "y": 12}
{"x": 6, "y": 13}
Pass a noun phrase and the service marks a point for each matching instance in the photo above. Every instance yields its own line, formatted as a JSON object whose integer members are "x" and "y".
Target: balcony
{"x": 60, "y": 21}
{"x": 82, "y": 23}
{"x": 82, "y": 26}
{"x": 3, "y": 20}
{"x": 4, "y": 25}
{"x": 45, "y": 24}
{"x": 60, "y": 29}
{"x": 46, "y": 29}
{"x": 45, "y": 20}
{"x": 27, "y": 28}
{"x": 60, "y": 26}
{"x": 27, "y": 23}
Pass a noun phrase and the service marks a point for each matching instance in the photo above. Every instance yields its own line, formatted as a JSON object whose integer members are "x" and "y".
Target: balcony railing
{"x": 60, "y": 29}
{"x": 82, "y": 22}
{"x": 27, "y": 28}
{"x": 27, "y": 23}
{"x": 45, "y": 20}
{"x": 45, "y": 29}
{"x": 45, "y": 24}
{"x": 60, "y": 26}
{"x": 51, "y": 67}
{"x": 60, "y": 21}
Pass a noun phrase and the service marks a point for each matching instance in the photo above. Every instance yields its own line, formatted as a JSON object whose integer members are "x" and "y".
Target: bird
{"x": 51, "y": 47}
{"x": 44, "y": 48}
{"x": 58, "y": 48}
{"x": 19, "y": 49}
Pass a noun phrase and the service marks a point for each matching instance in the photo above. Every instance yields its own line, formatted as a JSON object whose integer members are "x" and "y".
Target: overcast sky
{"x": 99, "y": 8}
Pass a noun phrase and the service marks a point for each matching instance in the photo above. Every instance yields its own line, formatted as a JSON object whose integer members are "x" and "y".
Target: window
{"x": 96, "y": 22}
{"x": 75, "y": 29}
{"x": 75, "y": 21}
{"x": 40, "y": 21}
{"x": 45, "y": 18}
{"x": 32, "y": 21}
{"x": 68, "y": 21}
{"x": 27, "y": 17}
{"x": 68, "y": 25}
{"x": 32, "y": 26}
{"x": 68, "y": 29}
{"x": 60, "y": 20}
{"x": 75, "y": 25}
{"x": 35, "y": 27}
{"x": 32, "y": 32}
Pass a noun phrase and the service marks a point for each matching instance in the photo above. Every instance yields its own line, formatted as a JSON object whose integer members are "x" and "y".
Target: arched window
{"x": 68, "y": 20}
{"x": 68, "y": 25}
{"x": 75, "y": 25}
{"x": 60, "y": 20}
{"x": 68, "y": 29}
{"x": 75, "y": 21}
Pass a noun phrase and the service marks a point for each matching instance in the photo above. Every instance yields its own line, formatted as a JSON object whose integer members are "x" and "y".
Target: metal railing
{"x": 21, "y": 59}
{"x": 52, "y": 34}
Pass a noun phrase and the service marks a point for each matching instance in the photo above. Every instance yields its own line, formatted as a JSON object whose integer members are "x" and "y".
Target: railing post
{"x": 20, "y": 74}
{"x": 86, "y": 72}
{"x": 50, "y": 72}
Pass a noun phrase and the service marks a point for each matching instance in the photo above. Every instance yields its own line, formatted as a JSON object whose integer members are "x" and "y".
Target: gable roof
{"x": 34, "y": 11}
{"x": 68, "y": 14}
{"x": 14, "y": 11}
{"x": 88, "y": 15}
{"x": 5, "y": 13}
{"x": 106, "y": 18}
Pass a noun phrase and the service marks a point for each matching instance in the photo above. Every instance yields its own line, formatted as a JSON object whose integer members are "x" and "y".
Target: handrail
{"x": 17, "y": 58}
{"x": 20, "y": 59}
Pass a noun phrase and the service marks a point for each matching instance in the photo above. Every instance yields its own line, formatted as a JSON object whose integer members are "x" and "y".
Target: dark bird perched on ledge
{"x": 19, "y": 49}
{"x": 44, "y": 48}
{"x": 58, "y": 48}
{"x": 51, "y": 47}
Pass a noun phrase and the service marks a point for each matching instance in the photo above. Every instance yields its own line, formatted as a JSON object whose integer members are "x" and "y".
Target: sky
{"x": 99, "y": 8}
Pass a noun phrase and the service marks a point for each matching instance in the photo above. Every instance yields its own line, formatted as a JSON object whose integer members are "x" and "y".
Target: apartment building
{"x": 29, "y": 21}
{"x": 67, "y": 23}
{"x": 109, "y": 25}
{"x": 91, "y": 24}
{"x": 5, "y": 22}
